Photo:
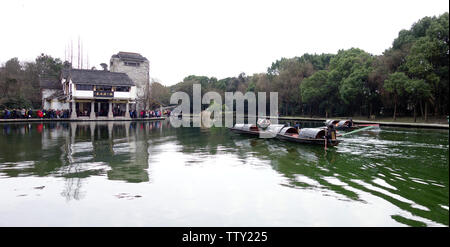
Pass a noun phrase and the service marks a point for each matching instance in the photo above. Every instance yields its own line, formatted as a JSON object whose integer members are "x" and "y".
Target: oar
{"x": 358, "y": 130}
{"x": 363, "y": 125}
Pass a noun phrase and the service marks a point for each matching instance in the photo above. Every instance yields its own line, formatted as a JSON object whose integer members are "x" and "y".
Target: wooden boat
{"x": 344, "y": 125}
{"x": 249, "y": 129}
{"x": 314, "y": 136}
{"x": 255, "y": 130}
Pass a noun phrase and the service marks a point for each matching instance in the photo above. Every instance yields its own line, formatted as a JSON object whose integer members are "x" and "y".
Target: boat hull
{"x": 308, "y": 140}
{"x": 290, "y": 138}
{"x": 355, "y": 127}
{"x": 245, "y": 132}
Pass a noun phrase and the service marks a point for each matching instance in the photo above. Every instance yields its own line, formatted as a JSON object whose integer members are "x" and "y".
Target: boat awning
{"x": 311, "y": 133}
{"x": 331, "y": 121}
{"x": 247, "y": 127}
{"x": 343, "y": 123}
{"x": 275, "y": 128}
{"x": 288, "y": 130}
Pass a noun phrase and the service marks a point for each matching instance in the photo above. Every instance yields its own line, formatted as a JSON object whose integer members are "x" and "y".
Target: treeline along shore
{"x": 409, "y": 80}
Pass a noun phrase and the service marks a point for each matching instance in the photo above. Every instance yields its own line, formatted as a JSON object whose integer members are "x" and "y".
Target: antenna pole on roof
{"x": 81, "y": 54}
{"x": 78, "y": 58}
{"x": 71, "y": 51}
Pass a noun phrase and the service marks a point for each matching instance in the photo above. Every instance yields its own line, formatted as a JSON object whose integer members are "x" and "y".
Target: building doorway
{"x": 101, "y": 108}
{"x": 119, "y": 109}
{"x": 83, "y": 109}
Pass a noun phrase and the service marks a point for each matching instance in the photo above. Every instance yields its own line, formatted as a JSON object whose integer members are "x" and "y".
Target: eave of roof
{"x": 99, "y": 77}
{"x": 130, "y": 56}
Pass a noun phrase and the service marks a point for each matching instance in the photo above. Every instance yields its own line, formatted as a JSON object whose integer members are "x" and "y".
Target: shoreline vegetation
{"x": 408, "y": 82}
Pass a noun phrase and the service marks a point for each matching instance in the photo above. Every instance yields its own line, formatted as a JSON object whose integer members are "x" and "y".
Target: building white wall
{"x": 46, "y": 93}
{"x": 46, "y": 105}
{"x": 122, "y": 95}
{"x": 133, "y": 93}
{"x": 58, "y": 105}
{"x": 54, "y": 104}
{"x": 85, "y": 94}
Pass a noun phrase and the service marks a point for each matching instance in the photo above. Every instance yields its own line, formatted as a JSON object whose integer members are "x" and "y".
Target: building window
{"x": 122, "y": 89}
{"x": 131, "y": 64}
{"x": 84, "y": 87}
{"x": 103, "y": 88}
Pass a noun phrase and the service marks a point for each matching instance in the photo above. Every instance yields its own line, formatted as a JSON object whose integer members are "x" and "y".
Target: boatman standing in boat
{"x": 330, "y": 134}
{"x": 297, "y": 126}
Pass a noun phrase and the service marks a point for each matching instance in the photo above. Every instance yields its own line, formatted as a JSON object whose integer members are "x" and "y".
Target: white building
{"x": 90, "y": 93}
{"x": 52, "y": 94}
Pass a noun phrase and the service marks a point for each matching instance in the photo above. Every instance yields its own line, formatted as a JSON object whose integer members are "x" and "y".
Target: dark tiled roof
{"x": 58, "y": 95}
{"x": 130, "y": 56}
{"x": 98, "y": 77}
{"x": 50, "y": 83}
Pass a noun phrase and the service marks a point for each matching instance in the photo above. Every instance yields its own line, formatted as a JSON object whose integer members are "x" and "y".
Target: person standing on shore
{"x": 7, "y": 114}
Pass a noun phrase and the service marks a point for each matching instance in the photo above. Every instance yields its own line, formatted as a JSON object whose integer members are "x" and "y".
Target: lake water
{"x": 151, "y": 174}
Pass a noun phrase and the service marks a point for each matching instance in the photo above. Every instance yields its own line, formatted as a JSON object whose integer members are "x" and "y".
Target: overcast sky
{"x": 212, "y": 38}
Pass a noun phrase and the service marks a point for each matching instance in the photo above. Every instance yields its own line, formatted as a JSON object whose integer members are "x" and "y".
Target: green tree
{"x": 319, "y": 91}
{"x": 159, "y": 95}
{"x": 395, "y": 84}
{"x": 13, "y": 67}
{"x": 417, "y": 90}
{"x": 287, "y": 84}
{"x": 350, "y": 69}
{"x": 427, "y": 57}
{"x": 48, "y": 66}
{"x": 11, "y": 84}
{"x": 426, "y": 61}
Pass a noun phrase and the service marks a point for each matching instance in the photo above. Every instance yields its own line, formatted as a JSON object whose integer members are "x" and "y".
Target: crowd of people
{"x": 149, "y": 113}
{"x": 28, "y": 113}
{"x": 55, "y": 114}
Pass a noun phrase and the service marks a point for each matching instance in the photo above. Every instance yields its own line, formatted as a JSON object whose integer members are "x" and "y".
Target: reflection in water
{"x": 398, "y": 175}
{"x": 410, "y": 174}
{"x": 77, "y": 150}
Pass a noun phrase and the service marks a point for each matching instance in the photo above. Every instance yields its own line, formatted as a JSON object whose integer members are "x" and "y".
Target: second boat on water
{"x": 314, "y": 136}
{"x": 347, "y": 125}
